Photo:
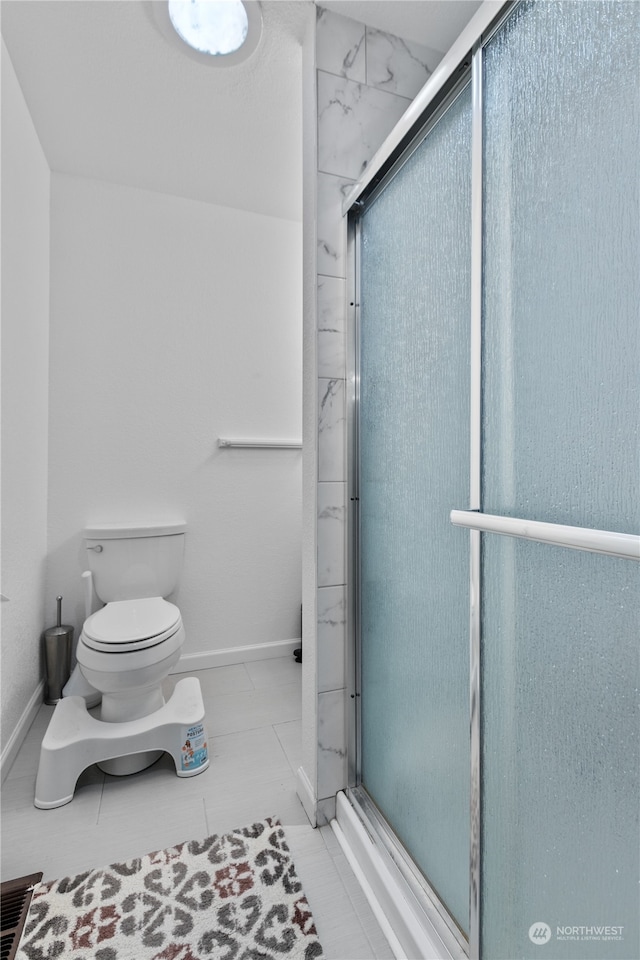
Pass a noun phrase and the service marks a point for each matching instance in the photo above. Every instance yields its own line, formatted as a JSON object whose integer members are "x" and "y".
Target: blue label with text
{"x": 194, "y": 749}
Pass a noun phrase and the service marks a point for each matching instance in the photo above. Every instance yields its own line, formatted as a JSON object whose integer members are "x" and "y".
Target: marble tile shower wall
{"x": 366, "y": 79}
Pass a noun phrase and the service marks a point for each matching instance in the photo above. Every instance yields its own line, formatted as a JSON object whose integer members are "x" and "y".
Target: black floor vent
{"x": 15, "y": 897}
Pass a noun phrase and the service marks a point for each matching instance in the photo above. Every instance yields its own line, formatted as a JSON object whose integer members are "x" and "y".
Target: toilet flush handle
{"x": 98, "y": 548}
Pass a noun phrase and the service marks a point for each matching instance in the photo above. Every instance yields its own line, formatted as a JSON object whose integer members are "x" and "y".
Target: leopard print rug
{"x": 232, "y": 897}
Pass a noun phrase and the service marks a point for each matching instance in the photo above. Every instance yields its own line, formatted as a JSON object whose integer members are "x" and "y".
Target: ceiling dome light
{"x": 217, "y": 28}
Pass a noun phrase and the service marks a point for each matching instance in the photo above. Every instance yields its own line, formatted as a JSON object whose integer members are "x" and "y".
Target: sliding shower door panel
{"x": 413, "y": 466}
{"x": 560, "y": 788}
{"x": 561, "y": 331}
{"x": 561, "y": 412}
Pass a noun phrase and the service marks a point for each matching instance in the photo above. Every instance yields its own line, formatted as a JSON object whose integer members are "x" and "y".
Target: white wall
{"x": 25, "y": 359}
{"x": 174, "y": 322}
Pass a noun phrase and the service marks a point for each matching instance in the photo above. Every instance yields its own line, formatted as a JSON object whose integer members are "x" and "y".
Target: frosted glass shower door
{"x": 413, "y": 467}
{"x": 561, "y": 410}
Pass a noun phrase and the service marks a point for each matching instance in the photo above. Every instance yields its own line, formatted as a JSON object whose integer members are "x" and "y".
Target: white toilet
{"x": 124, "y": 652}
{"x": 128, "y": 647}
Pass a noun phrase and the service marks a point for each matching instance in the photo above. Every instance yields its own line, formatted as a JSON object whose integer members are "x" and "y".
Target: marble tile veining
{"x": 332, "y": 625}
{"x": 332, "y": 231}
{"x": 331, "y": 527}
{"x": 353, "y": 121}
{"x": 340, "y": 45}
{"x": 332, "y": 755}
{"x": 331, "y": 429}
{"x": 398, "y": 66}
{"x": 331, "y": 327}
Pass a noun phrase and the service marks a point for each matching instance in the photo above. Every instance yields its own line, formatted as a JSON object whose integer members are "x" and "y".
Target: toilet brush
{"x": 57, "y": 641}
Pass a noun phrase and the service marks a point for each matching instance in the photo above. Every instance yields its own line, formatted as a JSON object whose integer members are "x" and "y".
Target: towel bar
{"x": 262, "y": 444}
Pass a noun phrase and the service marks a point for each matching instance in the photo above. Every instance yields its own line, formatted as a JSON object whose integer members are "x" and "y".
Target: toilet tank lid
{"x": 120, "y": 531}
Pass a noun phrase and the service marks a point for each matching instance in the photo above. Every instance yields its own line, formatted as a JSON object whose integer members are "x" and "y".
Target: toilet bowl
{"x": 125, "y": 651}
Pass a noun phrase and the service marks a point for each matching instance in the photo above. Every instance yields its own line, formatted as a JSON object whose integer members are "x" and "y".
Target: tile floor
{"x": 253, "y": 719}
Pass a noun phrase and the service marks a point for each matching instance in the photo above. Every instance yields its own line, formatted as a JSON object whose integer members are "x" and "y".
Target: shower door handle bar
{"x": 624, "y": 545}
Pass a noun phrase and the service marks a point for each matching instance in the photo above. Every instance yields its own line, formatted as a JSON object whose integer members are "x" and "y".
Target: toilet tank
{"x": 130, "y": 562}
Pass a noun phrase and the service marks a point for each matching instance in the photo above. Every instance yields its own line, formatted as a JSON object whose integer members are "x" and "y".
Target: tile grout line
{"x": 249, "y": 677}
{"x": 100, "y": 800}
{"x": 261, "y": 726}
{"x": 289, "y": 764}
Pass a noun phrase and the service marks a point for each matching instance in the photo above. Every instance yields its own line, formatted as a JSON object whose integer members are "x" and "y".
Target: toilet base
{"x": 75, "y": 740}
{"x": 121, "y": 707}
{"x": 125, "y": 766}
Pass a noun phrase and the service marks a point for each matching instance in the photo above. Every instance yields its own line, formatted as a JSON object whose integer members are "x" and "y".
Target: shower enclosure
{"x": 494, "y": 487}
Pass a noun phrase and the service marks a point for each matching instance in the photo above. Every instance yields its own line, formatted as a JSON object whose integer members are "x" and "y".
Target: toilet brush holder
{"x": 58, "y": 642}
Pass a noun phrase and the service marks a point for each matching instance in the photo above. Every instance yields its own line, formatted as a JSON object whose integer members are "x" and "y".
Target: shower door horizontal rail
{"x": 623, "y": 545}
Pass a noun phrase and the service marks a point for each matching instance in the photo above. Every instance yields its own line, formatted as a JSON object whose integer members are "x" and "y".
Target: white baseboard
{"x": 22, "y": 728}
{"x": 229, "y": 655}
{"x": 413, "y": 935}
{"x": 306, "y": 795}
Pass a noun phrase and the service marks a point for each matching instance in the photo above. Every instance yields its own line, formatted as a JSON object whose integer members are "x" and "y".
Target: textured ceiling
{"x": 114, "y": 99}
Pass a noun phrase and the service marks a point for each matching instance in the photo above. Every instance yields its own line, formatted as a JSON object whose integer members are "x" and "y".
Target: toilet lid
{"x": 131, "y": 624}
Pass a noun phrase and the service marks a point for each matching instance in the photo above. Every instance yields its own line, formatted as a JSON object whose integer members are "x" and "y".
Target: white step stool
{"x": 75, "y": 740}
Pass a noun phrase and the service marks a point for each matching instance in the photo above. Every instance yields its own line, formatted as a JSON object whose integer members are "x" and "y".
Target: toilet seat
{"x": 123, "y": 626}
